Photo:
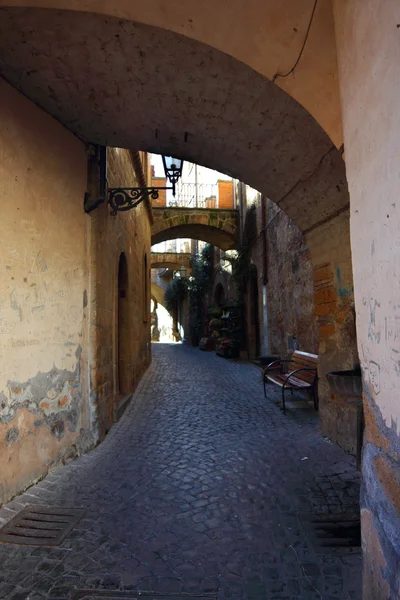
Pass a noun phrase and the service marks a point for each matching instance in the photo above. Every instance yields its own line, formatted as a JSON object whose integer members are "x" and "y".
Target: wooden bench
{"x": 299, "y": 373}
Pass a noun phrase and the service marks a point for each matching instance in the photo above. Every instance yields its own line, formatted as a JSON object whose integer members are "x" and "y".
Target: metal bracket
{"x": 121, "y": 199}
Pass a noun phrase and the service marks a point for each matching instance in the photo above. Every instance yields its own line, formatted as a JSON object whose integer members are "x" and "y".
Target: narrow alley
{"x": 199, "y": 488}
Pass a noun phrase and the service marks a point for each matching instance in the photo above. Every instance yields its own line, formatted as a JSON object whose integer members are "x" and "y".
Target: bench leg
{"x": 283, "y": 400}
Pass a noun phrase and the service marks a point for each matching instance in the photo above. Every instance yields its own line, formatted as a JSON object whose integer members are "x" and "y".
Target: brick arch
{"x": 217, "y": 227}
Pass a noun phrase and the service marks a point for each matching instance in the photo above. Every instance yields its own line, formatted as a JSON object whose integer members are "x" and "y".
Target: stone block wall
{"x": 290, "y": 286}
{"x": 309, "y": 295}
{"x": 127, "y": 233}
{"x": 285, "y": 286}
{"x": 329, "y": 246}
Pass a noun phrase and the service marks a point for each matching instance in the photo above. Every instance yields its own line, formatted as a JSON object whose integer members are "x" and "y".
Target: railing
{"x": 195, "y": 195}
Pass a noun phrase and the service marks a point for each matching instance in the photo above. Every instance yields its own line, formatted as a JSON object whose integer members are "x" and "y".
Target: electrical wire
{"x": 302, "y": 48}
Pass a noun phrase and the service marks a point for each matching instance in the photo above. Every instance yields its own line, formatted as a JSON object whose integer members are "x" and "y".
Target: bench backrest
{"x": 305, "y": 360}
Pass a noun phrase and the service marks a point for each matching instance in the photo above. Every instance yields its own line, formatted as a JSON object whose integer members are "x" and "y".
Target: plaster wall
{"x": 59, "y": 387}
{"x": 368, "y": 34}
{"x": 43, "y": 246}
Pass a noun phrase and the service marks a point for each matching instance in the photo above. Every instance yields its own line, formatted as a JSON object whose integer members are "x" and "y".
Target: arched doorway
{"x": 124, "y": 386}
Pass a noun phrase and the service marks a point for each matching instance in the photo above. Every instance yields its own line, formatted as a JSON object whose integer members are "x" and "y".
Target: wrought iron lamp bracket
{"x": 122, "y": 199}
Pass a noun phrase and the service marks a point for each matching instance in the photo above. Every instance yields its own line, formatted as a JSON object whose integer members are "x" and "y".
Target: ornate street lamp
{"x": 121, "y": 199}
{"x": 173, "y": 170}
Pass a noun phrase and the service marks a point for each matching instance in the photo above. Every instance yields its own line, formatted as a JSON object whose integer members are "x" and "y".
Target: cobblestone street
{"x": 197, "y": 490}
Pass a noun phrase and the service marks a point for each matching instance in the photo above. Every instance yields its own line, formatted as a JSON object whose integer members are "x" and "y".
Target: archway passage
{"x": 125, "y": 84}
{"x": 124, "y": 378}
{"x": 268, "y": 37}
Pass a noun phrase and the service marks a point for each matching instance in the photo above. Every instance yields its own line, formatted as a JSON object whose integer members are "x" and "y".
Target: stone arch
{"x": 281, "y": 30}
{"x": 170, "y": 260}
{"x": 217, "y": 227}
{"x": 258, "y": 134}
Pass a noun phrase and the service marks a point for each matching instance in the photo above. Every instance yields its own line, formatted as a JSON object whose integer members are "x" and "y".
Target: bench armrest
{"x": 297, "y": 370}
{"x": 276, "y": 364}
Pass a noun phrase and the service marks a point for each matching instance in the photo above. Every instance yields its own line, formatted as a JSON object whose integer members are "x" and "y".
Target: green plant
{"x": 214, "y": 311}
{"x": 199, "y": 281}
{"x": 175, "y": 293}
{"x": 241, "y": 263}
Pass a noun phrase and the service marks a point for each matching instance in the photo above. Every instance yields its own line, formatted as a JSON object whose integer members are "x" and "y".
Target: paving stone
{"x": 196, "y": 490}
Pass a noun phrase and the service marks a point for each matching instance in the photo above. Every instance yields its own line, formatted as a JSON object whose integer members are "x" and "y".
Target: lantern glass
{"x": 173, "y": 169}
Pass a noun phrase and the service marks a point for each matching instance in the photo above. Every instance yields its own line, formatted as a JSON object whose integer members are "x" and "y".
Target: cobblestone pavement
{"x": 197, "y": 489}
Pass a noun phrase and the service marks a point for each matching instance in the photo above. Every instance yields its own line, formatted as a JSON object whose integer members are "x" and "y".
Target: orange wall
{"x": 225, "y": 194}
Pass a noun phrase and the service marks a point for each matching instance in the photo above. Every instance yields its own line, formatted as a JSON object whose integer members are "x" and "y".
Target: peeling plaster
{"x": 52, "y": 397}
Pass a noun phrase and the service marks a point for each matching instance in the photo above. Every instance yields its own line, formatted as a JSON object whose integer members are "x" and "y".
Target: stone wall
{"x": 58, "y": 302}
{"x": 329, "y": 246}
{"x": 290, "y": 286}
{"x": 285, "y": 286}
{"x": 309, "y": 295}
{"x": 127, "y": 233}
